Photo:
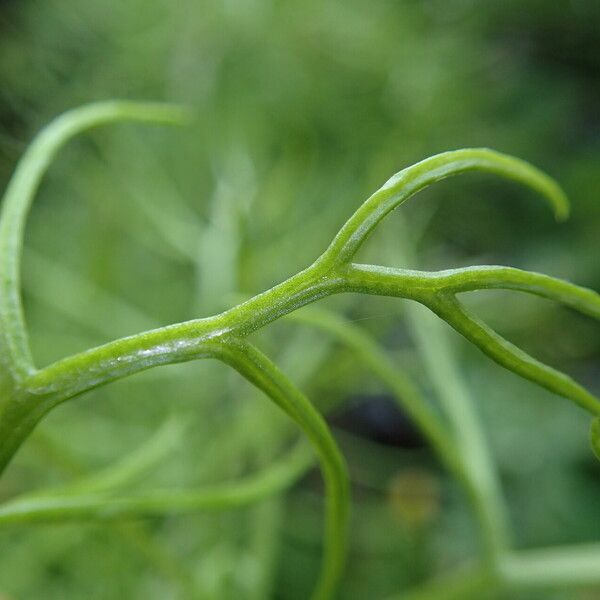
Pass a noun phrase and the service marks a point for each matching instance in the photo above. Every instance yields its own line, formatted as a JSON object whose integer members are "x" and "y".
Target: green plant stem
{"x": 75, "y": 505}
{"x": 264, "y": 374}
{"x": 421, "y": 285}
{"x": 480, "y": 479}
{"x": 193, "y": 340}
{"x": 90, "y": 372}
{"x": 259, "y": 370}
{"x": 595, "y": 437}
{"x": 462, "y": 451}
{"x": 482, "y": 483}
{"x": 177, "y": 343}
{"x": 469, "y": 279}
{"x": 123, "y": 471}
{"x": 510, "y": 356}
{"x": 406, "y": 392}
{"x": 74, "y": 375}
{"x": 19, "y": 196}
{"x": 562, "y": 566}
{"x": 393, "y": 282}
{"x": 28, "y": 394}
{"x": 133, "y": 465}
{"x": 404, "y": 184}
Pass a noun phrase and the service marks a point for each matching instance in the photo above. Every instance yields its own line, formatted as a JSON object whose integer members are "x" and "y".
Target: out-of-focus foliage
{"x": 302, "y": 109}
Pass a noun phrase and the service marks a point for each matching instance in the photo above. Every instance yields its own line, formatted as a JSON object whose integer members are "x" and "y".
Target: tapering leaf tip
{"x": 595, "y": 437}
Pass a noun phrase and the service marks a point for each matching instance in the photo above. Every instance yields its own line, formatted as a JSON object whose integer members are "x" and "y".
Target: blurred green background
{"x": 302, "y": 110}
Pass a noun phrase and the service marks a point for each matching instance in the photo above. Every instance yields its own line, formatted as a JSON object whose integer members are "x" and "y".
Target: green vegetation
{"x": 29, "y": 393}
{"x": 463, "y": 479}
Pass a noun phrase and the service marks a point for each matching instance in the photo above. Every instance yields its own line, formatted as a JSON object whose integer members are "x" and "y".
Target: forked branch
{"x": 29, "y": 393}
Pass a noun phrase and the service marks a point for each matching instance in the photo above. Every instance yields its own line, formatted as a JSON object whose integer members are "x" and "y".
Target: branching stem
{"x": 29, "y": 393}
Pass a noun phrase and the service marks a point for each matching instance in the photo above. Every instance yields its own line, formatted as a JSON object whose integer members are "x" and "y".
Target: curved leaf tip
{"x": 562, "y": 207}
{"x": 528, "y": 175}
{"x": 595, "y": 437}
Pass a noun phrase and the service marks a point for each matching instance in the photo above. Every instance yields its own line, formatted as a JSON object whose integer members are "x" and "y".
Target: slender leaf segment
{"x": 28, "y": 393}
{"x": 595, "y": 437}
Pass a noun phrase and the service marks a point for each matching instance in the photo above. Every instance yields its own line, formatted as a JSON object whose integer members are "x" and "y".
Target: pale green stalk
{"x": 134, "y": 465}
{"x": 76, "y": 503}
{"x": 564, "y": 567}
{"x": 481, "y": 480}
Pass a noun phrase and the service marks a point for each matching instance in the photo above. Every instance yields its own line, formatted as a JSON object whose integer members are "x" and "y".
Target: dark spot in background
{"x": 376, "y": 417}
